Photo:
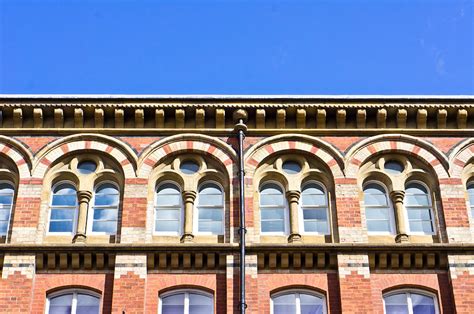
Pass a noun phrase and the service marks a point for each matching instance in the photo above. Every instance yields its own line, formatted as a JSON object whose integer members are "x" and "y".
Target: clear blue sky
{"x": 237, "y": 47}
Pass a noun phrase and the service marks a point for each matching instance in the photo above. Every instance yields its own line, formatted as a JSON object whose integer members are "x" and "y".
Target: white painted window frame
{"x": 302, "y": 207}
{"x": 408, "y": 293}
{"x": 391, "y": 209}
{"x": 430, "y": 200}
{"x": 11, "y": 207}
{"x": 186, "y": 293}
{"x": 286, "y": 215}
{"x": 76, "y": 215}
{"x": 196, "y": 209}
{"x": 74, "y": 293}
{"x": 90, "y": 218}
{"x": 297, "y": 298}
{"x": 181, "y": 210}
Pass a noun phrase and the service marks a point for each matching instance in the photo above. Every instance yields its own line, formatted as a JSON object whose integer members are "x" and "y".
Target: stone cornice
{"x": 274, "y": 114}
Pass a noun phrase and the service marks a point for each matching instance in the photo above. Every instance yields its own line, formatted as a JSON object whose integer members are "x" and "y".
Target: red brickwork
{"x": 16, "y": 294}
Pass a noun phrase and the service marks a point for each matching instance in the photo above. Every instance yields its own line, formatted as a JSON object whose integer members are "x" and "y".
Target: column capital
{"x": 293, "y": 196}
{"x": 397, "y": 196}
{"x": 84, "y": 196}
{"x": 189, "y": 196}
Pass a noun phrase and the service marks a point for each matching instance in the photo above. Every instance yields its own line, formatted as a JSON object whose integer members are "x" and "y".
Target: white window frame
{"x": 471, "y": 205}
{"x": 298, "y": 301}
{"x": 301, "y": 209}
{"x": 286, "y": 215}
{"x": 11, "y": 206}
{"x": 391, "y": 209}
{"x": 74, "y": 293}
{"x": 90, "y": 218}
{"x": 181, "y": 215}
{"x": 76, "y": 216}
{"x": 408, "y": 293}
{"x": 186, "y": 293}
{"x": 196, "y": 210}
{"x": 430, "y": 200}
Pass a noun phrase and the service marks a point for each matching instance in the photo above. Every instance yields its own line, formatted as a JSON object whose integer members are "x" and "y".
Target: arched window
{"x": 168, "y": 209}
{"x": 210, "y": 207}
{"x": 63, "y": 218}
{"x": 314, "y": 205}
{"x": 273, "y": 209}
{"x": 7, "y": 193}
{"x": 410, "y": 302}
{"x": 470, "y": 191}
{"x": 73, "y": 302}
{"x": 378, "y": 211}
{"x": 186, "y": 302}
{"x": 105, "y": 209}
{"x": 298, "y": 302}
{"x": 419, "y": 208}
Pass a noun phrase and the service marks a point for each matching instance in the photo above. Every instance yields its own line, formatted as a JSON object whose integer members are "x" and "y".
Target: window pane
{"x": 422, "y": 304}
{"x": 417, "y": 200}
{"x": 210, "y": 200}
{"x": 64, "y": 200}
{"x": 189, "y": 167}
{"x": 106, "y": 199}
{"x": 311, "y": 304}
{"x": 5, "y": 214}
{"x": 87, "y": 304}
{"x": 64, "y": 189}
{"x": 377, "y": 213}
{"x": 421, "y": 226}
{"x": 215, "y": 227}
{"x": 419, "y": 213}
{"x": 375, "y": 199}
{"x": 167, "y": 226}
{"x": 60, "y": 226}
{"x": 313, "y": 200}
{"x": 272, "y": 213}
{"x": 284, "y": 304}
{"x": 3, "y": 227}
{"x": 415, "y": 188}
{"x": 62, "y": 213}
{"x": 105, "y": 214}
{"x": 6, "y": 188}
{"x": 173, "y": 304}
{"x": 470, "y": 191}
{"x": 319, "y": 214}
{"x": 200, "y": 304}
{"x": 273, "y": 226}
{"x": 104, "y": 226}
{"x": 168, "y": 214}
{"x": 168, "y": 195}
{"x": 6, "y": 199}
{"x": 107, "y": 188}
{"x": 61, "y": 304}
{"x": 211, "y": 214}
{"x": 272, "y": 200}
{"x": 316, "y": 226}
{"x": 210, "y": 188}
{"x": 378, "y": 225}
{"x": 396, "y": 304}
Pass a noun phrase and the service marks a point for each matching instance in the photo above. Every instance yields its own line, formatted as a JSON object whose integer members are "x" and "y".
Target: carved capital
{"x": 187, "y": 238}
{"x": 402, "y": 238}
{"x": 79, "y": 238}
{"x": 189, "y": 196}
{"x": 293, "y": 196}
{"x": 294, "y": 238}
{"x": 397, "y": 196}
{"x": 84, "y": 196}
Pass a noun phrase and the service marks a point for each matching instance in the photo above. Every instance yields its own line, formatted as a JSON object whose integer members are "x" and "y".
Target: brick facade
{"x": 349, "y": 268}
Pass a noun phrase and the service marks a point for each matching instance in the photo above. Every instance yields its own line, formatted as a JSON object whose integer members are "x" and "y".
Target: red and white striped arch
{"x": 193, "y": 143}
{"x": 114, "y": 148}
{"x": 294, "y": 143}
{"x": 18, "y": 154}
{"x": 461, "y": 155}
{"x": 391, "y": 143}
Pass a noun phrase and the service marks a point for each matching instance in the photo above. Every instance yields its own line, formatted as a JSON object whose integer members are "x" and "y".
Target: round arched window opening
{"x": 86, "y": 167}
{"x": 393, "y": 167}
{"x": 189, "y": 167}
{"x": 291, "y": 167}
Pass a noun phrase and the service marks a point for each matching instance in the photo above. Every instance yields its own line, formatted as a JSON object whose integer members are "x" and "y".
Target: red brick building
{"x": 131, "y": 204}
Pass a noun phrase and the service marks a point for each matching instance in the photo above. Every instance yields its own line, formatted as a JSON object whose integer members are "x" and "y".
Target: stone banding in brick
{"x": 396, "y": 143}
{"x": 295, "y": 142}
{"x": 18, "y": 154}
{"x": 115, "y": 148}
{"x": 461, "y": 154}
{"x": 196, "y": 143}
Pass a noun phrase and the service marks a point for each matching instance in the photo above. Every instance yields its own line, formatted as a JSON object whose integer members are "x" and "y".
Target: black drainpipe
{"x": 241, "y": 127}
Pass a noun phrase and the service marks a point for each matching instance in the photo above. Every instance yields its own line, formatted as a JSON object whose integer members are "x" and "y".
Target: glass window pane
{"x": 5, "y": 214}
{"x": 417, "y": 200}
{"x": 3, "y": 227}
{"x": 272, "y": 213}
{"x": 107, "y": 188}
{"x": 271, "y": 188}
{"x": 168, "y": 200}
{"x": 173, "y": 304}
{"x": 291, "y": 167}
{"x": 210, "y": 200}
{"x": 422, "y": 304}
{"x": 168, "y": 214}
{"x": 396, "y": 304}
{"x": 104, "y": 226}
{"x": 378, "y": 225}
{"x": 377, "y": 213}
{"x": 319, "y": 214}
{"x": 200, "y": 304}
{"x": 62, "y": 213}
{"x": 105, "y": 214}
{"x": 189, "y": 167}
{"x": 415, "y": 188}
{"x": 393, "y": 167}
{"x": 375, "y": 199}
{"x": 60, "y": 226}
{"x": 210, "y": 188}
{"x": 419, "y": 213}
{"x": 64, "y": 200}
{"x": 87, "y": 304}
{"x": 271, "y": 200}
{"x": 211, "y": 214}
{"x": 284, "y": 304}
{"x": 167, "y": 226}
{"x": 86, "y": 167}
{"x": 60, "y": 304}
{"x": 311, "y": 304}
{"x": 470, "y": 191}
{"x": 313, "y": 199}
{"x": 64, "y": 189}
{"x": 6, "y": 188}
{"x": 421, "y": 226}
{"x": 6, "y": 199}
{"x": 273, "y": 226}
{"x": 106, "y": 199}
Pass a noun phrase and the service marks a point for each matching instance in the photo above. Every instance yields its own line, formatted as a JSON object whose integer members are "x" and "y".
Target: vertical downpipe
{"x": 241, "y": 128}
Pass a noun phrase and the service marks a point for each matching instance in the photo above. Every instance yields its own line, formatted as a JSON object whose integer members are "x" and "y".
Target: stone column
{"x": 188, "y": 197}
{"x": 293, "y": 200}
{"x": 400, "y": 216}
{"x": 83, "y": 198}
